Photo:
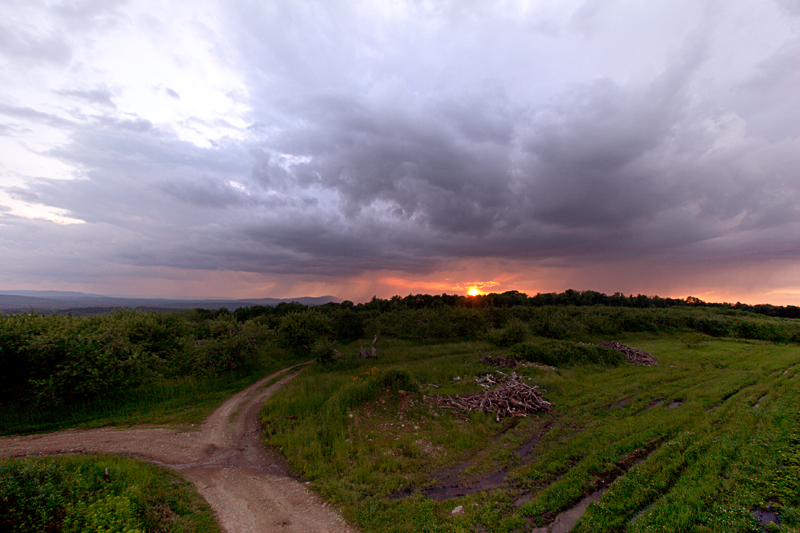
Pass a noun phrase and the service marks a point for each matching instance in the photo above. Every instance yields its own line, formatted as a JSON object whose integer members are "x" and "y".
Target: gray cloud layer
{"x": 405, "y": 143}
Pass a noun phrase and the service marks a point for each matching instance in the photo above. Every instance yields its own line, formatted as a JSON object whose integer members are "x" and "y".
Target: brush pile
{"x": 511, "y": 398}
{"x": 498, "y": 361}
{"x": 634, "y": 355}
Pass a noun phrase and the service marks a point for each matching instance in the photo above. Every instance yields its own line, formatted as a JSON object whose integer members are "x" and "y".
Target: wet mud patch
{"x": 653, "y": 404}
{"x": 448, "y": 482}
{"x": 524, "y": 451}
{"x": 445, "y": 492}
{"x": 619, "y": 405}
{"x": 765, "y": 517}
{"x": 565, "y": 521}
{"x": 674, "y": 404}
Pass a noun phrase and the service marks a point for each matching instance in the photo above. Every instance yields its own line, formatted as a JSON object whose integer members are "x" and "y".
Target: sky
{"x": 287, "y": 148}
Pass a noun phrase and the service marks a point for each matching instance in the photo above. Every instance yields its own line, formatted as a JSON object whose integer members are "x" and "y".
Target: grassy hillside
{"x": 706, "y": 441}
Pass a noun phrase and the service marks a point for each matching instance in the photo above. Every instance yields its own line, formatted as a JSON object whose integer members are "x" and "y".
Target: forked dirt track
{"x": 246, "y": 485}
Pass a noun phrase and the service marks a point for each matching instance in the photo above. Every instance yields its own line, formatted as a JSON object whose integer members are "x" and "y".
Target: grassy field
{"x": 97, "y": 493}
{"x": 707, "y": 441}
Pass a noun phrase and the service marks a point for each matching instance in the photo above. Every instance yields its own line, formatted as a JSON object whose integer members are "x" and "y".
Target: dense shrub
{"x": 299, "y": 331}
{"x": 324, "y": 353}
{"x": 397, "y": 379}
{"x": 58, "y": 361}
{"x": 74, "y": 494}
{"x": 711, "y": 326}
{"x": 563, "y": 353}
{"x": 513, "y": 333}
{"x": 430, "y": 324}
{"x": 552, "y": 323}
{"x": 347, "y": 325}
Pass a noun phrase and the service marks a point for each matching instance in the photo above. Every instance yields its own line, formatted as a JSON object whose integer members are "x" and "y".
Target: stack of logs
{"x": 634, "y": 355}
{"x": 511, "y": 398}
{"x": 498, "y": 361}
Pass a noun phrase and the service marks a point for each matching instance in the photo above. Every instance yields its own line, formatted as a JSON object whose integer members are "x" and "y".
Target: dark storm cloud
{"x": 409, "y": 145}
{"x": 446, "y": 162}
{"x": 588, "y": 150}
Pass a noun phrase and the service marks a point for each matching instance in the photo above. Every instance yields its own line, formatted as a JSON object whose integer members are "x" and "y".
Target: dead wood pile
{"x": 498, "y": 361}
{"x": 373, "y": 353}
{"x": 511, "y": 398}
{"x": 634, "y": 355}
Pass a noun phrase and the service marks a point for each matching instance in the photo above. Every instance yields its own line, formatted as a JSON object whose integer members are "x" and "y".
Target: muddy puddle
{"x": 565, "y": 521}
{"x": 448, "y": 486}
{"x": 618, "y": 405}
{"x": 675, "y": 404}
{"x": 524, "y": 451}
{"x": 651, "y": 405}
{"x": 765, "y": 518}
{"x": 492, "y": 481}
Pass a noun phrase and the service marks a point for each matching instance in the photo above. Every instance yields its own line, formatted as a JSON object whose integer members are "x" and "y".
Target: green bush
{"x": 107, "y": 514}
{"x": 398, "y": 379}
{"x": 552, "y": 324}
{"x": 694, "y": 339}
{"x": 55, "y": 362}
{"x": 347, "y": 325}
{"x": 299, "y": 331}
{"x": 513, "y": 333}
{"x": 563, "y": 353}
{"x": 324, "y": 353}
{"x": 73, "y": 494}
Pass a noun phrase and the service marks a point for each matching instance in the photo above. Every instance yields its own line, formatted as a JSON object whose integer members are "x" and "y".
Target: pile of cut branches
{"x": 498, "y": 361}
{"x": 511, "y": 398}
{"x": 634, "y": 355}
{"x": 493, "y": 379}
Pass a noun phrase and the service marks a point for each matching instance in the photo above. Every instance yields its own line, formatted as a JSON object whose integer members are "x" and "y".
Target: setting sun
{"x": 473, "y": 291}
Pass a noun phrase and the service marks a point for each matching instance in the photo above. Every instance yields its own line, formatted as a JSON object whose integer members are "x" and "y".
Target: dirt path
{"x": 246, "y": 485}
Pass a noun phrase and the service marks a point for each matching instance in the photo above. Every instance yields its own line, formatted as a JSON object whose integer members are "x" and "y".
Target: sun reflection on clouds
{"x": 476, "y": 288}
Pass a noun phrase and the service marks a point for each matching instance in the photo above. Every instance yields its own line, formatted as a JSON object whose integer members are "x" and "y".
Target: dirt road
{"x": 245, "y": 484}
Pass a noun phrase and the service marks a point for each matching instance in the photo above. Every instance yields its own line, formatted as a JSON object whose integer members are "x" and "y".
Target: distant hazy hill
{"x": 11, "y": 301}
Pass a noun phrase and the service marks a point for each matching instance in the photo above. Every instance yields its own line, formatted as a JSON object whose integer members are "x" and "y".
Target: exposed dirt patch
{"x": 247, "y": 485}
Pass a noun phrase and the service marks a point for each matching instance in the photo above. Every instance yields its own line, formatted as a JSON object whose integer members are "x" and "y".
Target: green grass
{"x": 74, "y": 494}
{"x": 702, "y": 466}
{"x": 187, "y": 400}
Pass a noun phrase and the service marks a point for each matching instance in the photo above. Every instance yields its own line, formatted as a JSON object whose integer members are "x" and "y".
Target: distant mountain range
{"x": 60, "y": 301}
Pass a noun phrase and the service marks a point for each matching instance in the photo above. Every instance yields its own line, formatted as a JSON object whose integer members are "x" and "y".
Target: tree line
{"x": 55, "y": 361}
{"x": 508, "y": 299}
